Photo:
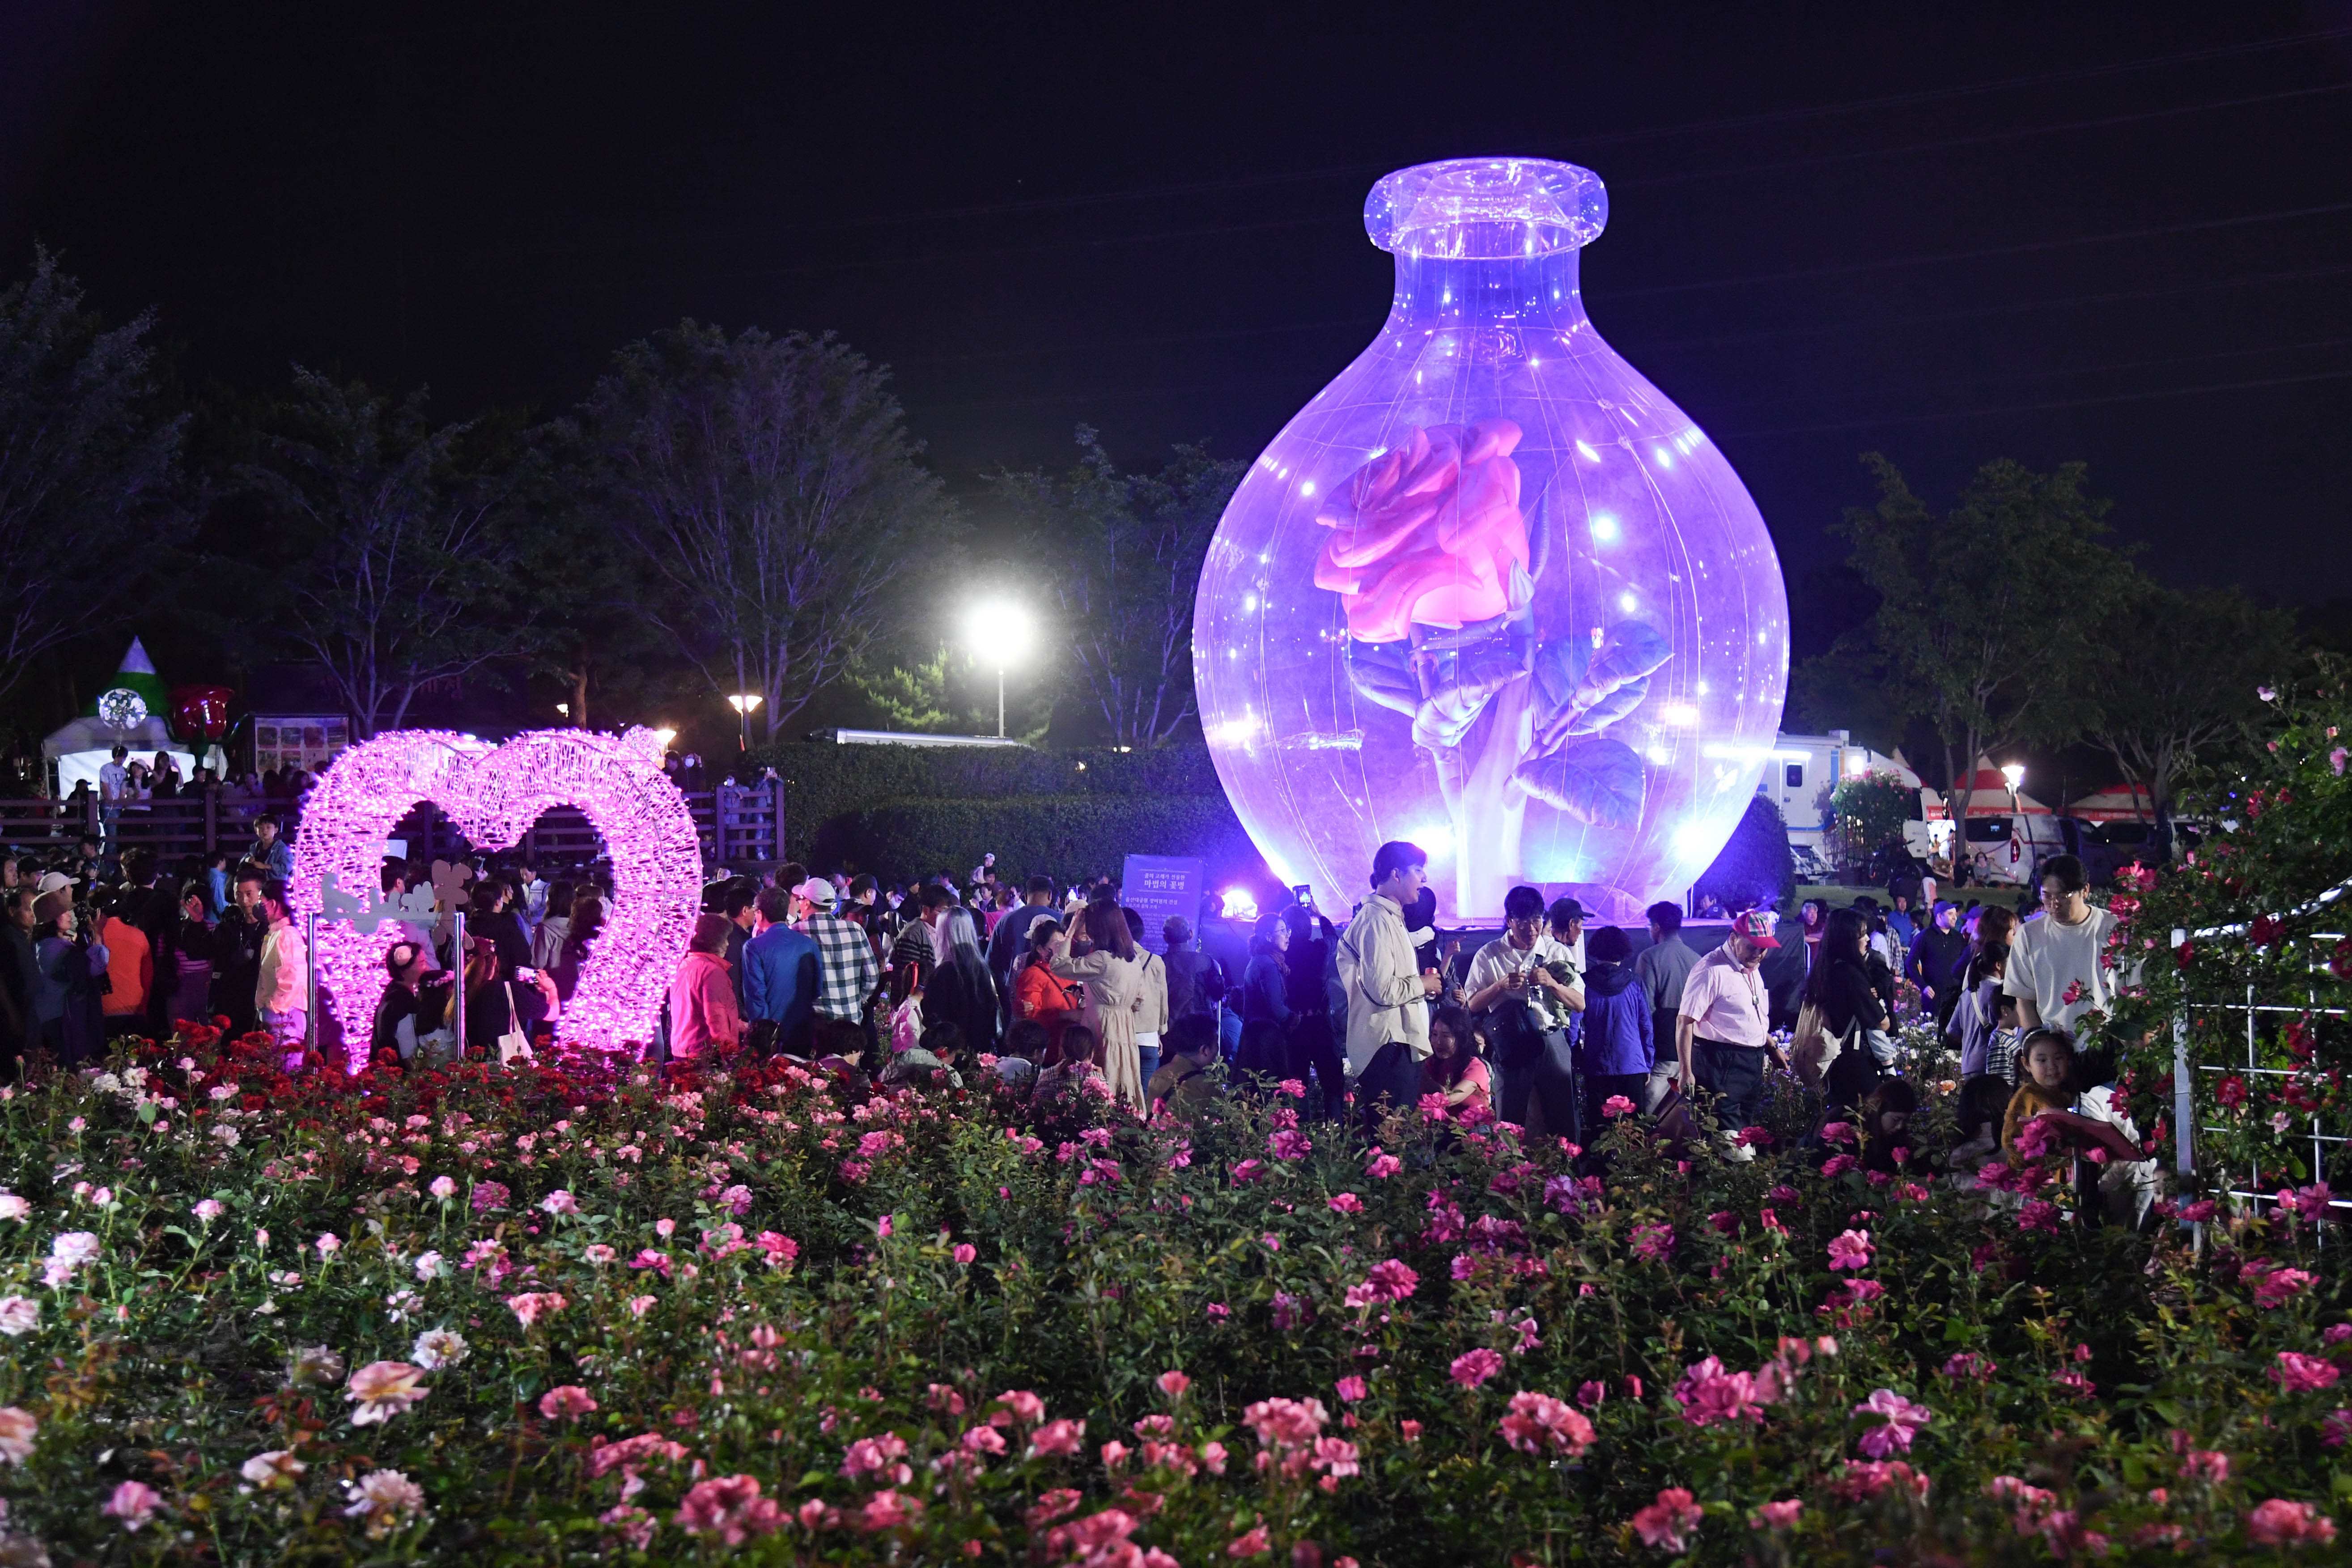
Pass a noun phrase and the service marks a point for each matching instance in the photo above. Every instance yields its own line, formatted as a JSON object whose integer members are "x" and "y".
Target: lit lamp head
{"x": 744, "y": 701}
{"x": 1000, "y": 632}
{"x": 2015, "y": 774}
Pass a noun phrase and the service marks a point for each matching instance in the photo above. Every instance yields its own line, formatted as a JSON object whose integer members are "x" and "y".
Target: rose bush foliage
{"x": 476, "y": 1317}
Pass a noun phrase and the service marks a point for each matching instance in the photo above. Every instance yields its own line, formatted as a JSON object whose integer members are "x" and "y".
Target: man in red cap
{"x": 1723, "y": 1031}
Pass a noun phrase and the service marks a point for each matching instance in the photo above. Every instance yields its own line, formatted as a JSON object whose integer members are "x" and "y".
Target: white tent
{"x": 84, "y": 746}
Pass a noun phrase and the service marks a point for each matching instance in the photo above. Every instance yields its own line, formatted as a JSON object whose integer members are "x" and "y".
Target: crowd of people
{"x": 1547, "y": 1025}
{"x": 102, "y": 944}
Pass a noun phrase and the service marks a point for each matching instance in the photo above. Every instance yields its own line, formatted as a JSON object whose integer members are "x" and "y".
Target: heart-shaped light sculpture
{"x": 493, "y": 795}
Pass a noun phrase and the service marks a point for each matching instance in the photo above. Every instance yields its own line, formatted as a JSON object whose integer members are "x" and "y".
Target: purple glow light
{"x": 493, "y": 795}
{"x": 1489, "y": 590}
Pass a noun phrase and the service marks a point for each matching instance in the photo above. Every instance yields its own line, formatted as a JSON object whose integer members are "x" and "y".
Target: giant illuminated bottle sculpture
{"x": 1489, "y": 590}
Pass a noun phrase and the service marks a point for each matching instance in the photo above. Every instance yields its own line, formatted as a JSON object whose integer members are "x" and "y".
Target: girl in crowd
{"x": 2049, "y": 1058}
{"x": 1071, "y": 1062}
{"x": 1453, "y": 1069}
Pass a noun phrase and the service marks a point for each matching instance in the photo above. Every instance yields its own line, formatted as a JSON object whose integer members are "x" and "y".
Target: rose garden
{"x": 573, "y": 1313}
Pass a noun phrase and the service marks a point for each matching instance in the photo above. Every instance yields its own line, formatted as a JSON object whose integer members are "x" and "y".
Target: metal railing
{"x": 738, "y": 825}
{"x": 2198, "y": 1018}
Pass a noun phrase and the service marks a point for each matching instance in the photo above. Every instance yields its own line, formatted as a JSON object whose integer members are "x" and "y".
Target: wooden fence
{"x": 738, "y": 826}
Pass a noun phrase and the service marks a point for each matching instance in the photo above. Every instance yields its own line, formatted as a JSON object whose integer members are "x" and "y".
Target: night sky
{"x": 2108, "y": 233}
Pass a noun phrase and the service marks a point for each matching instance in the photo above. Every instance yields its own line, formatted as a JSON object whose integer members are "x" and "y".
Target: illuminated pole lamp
{"x": 2015, "y": 774}
{"x": 1001, "y": 633}
{"x": 743, "y": 702}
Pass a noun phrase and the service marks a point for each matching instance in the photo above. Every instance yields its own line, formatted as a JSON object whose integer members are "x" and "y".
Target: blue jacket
{"x": 1618, "y": 1035}
{"x": 780, "y": 979}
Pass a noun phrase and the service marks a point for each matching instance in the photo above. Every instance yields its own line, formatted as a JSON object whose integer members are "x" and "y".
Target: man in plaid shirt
{"x": 847, "y": 972}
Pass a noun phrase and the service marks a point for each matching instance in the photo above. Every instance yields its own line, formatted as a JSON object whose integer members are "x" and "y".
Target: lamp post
{"x": 2015, "y": 774}
{"x": 1000, "y": 632}
{"x": 743, "y": 702}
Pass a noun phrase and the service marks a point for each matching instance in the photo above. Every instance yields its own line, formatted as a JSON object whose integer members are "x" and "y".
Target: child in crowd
{"x": 1978, "y": 1110}
{"x": 2001, "y": 1051}
{"x": 1017, "y": 1055}
{"x": 2049, "y": 1057}
{"x": 905, "y": 1007}
{"x": 932, "y": 1056}
{"x": 1071, "y": 1062}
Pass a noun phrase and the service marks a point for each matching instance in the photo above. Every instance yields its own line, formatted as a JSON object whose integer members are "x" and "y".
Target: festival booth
{"x": 2116, "y": 803}
{"x": 131, "y": 714}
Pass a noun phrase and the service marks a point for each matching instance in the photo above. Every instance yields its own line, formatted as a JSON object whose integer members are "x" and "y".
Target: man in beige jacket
{"x": 1387, "y": 994}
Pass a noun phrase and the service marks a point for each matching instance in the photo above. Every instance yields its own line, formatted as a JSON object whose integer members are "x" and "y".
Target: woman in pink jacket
{"x": 702, "y": 1014}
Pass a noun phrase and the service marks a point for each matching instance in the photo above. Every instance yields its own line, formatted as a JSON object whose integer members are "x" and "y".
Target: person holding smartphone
{"x": 1512, "y": 985}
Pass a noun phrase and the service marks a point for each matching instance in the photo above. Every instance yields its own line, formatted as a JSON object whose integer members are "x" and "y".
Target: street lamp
{"x": 1000, "y": 632}
{"x": 743, "y": 702}
{"x": 2015, "y": 774}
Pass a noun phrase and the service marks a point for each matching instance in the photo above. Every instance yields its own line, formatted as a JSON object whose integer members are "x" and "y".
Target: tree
{"x": 1868, "y": 814}
{"x": 392, "y": 558}
{"x": 90, "y": 493}
{"x": 1989, "y": 616}
{"x": 1757, "y": 866}
{"x": 769, "y": 490}
{"x": 2180, "y": 681}
{"x": 1123, "y": 552}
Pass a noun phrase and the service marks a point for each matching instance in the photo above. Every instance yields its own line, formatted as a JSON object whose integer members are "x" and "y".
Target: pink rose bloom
{"x": 1903, "y": 1419}
{"x": 1474, "y": 1367}
{"x": 1279, "y": 1422}
{"x": 1173, "y": 1383}
{"x": 965, "y": 1252}
{"x": 2279, "y": 1522}
{"x": 569, "y": 1401}
{"x": 531, "y": 1305}
{"x": 1021, "y": 1406}
{"x": 730, "y": 1509}
{"x": 1255, "y": 1544}
{"x": 1394, "y": 1280}
{"x": 1064, "y": 1437}
{"x": 1850, "y": 1249}
{"x": 1591, "y": 1394}
{"x": 1668, "y": 1522}
{"x": 132, "y": 1503}
{"x": 1537, "y": 1423}
{"x": 17, "y": 1431}
{"x": 1782, "y": 1515}
{"x": 1351, "y": 1389}
{"x": 2300, "y": 1373}
{"x": 1347, "y": 1203}
{"x": 1380, "y": 1166}
{"x": 1616, "y": 1105}
{"x": 2205, "y": 1465}
{"x": 1708, "y": 1394}
{"x": 1428, "y": 532}
{"x": 382, "y": 1389}
{"x": 1271, "y": 1242}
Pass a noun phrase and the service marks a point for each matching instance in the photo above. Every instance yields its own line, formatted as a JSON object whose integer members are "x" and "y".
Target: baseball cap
{"x": 1756, "y": 925}
{"x": 817, "y": 891}
{"x": 52, "y": 880}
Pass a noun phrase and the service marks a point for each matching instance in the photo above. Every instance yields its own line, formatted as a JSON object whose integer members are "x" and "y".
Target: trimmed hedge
{"x": 1065, "y": 836}
{"x": 835, "y": 797}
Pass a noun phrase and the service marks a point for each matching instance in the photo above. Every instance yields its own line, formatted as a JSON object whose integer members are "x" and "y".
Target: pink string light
{"x": 493, "y": 795}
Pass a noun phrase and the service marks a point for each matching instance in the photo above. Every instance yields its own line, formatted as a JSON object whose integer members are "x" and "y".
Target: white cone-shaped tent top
{"x": 127, "y": 712}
